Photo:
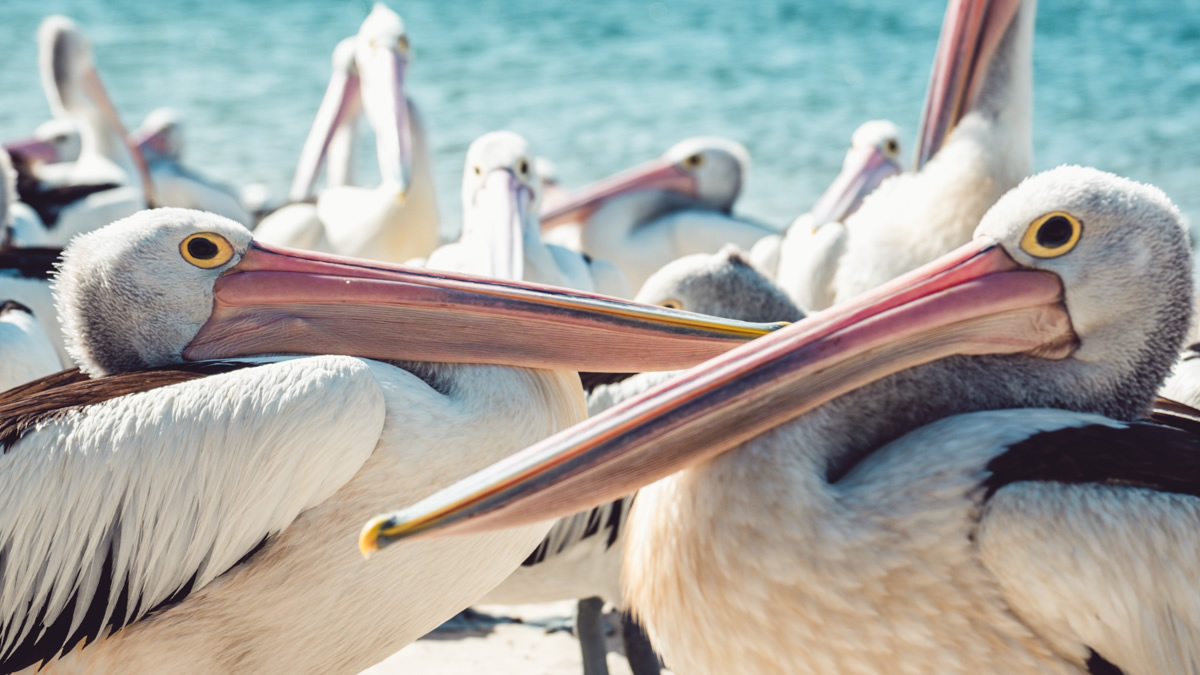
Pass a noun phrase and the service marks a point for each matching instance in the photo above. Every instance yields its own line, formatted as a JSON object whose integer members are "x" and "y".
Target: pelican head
{"x": 55, "y": 140}
{"x": 168, "y": 285}
{"x": 1075, "y": 294}
{"x": 874, "y": 156}
{"x": 707, "y": 171}
{"x": 501, "y": 190}
{"x": 721, "y": 284}
{"x": 381, "y": 58}
{"x": 161, "y": 134}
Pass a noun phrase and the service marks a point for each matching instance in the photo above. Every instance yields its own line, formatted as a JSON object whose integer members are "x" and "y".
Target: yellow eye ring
{"x": 206, "y": 250}
{"x": 1052, "y": 235}
{"x": 694, "y": 161}
{"x": 671, "y": 303}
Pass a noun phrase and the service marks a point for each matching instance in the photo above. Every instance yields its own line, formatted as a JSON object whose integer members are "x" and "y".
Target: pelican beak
{"x": 149, "y": 142}
{"x": 340, "y": 106}
{"x": 864, "y": 169}
{"x": 277, "y": 300}
{"x": 971, "y": 31}
{"x": 382, "y": 71}
{"x": 975, "y": 300}
{"x": 658, "y": 174}
{"x": 94, "y": 88}
{"x": 33, "y": 150}
{"x": 496, "y": 218}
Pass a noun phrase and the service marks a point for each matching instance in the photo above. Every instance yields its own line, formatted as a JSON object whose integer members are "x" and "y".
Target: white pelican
{"x": 171, "y": 516}
{"x": 24, "y": 278}
{"x": 580, "y": 556}
{"x": 803, "y": 259}
{"x": 501, "y": 237}
{"x": 397, "y": 220}
{"x": 160, "y": 139}
{"x": 829, "y": 515}
{"x": 107, "y": 180}
{"x": 26, "y": 352}
{"x": 975, "y": 144}
{"x": 679, "y": 204}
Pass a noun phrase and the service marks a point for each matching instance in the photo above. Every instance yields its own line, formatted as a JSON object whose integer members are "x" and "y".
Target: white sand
{"x": 524, "y": 648}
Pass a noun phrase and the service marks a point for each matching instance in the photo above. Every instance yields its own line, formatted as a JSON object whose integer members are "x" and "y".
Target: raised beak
{"x": 278, "y": 300}
{"x": 94, "y": 88}
{"x": 971, "y": 31}
{"x": 864, "y": 169}
{"x": 340, "y": 106}
{"x": 975, "y": 300}
{"x": 33, "y": 150}
{"x": 382, "y": 71}
{"x": 658, "y": 174}
{"x": 496, "y": 220}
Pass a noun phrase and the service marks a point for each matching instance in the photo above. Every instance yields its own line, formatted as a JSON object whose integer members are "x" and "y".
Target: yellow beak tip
{"x": 368, "y": 541}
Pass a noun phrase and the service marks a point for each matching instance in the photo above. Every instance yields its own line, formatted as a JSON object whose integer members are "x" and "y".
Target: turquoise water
{"x": 597, "y": 87}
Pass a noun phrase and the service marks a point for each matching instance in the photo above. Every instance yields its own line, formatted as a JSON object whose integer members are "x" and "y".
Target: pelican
{"x": 580, "y": 556}
{"x": 803, "y": 258}
{"x": 947, "y": 474}
{"x": 397, "y": 220}
{"x": 55, "y": 140}
{"x": 172, "y": 513}
{"x": 677, "y": 205}
{"x": 974, "y": 145}
{"x": 26, "y": 352}
{"x": 107, "y": 180}
{"x": 24, "y": 281}
{"x": 160, "y": 140}
{"x": 501, "y": 237}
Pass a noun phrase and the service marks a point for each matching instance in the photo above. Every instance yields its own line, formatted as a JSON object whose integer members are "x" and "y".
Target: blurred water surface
{"x": 599, "y": 86}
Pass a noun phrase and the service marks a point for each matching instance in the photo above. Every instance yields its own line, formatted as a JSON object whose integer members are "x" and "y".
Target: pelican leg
{"x": 643, "y": 660}
{"x": 589, "y": 628}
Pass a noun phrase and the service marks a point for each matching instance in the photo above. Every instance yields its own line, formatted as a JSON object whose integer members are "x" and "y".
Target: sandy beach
{"x": 526, "y": 639}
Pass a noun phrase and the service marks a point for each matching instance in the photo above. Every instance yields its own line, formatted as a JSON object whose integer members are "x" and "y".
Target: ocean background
{"x": 597, "y": 87}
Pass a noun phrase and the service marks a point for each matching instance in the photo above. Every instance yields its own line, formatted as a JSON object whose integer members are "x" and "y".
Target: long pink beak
{"x": 281, "y": 300}
{"x": 862, "y": 172}
{"x": 341, "y": 104}
{"x": 658, "y": 174}
{"x": 494, "y": 222}
{"x": 971, "y": 31}
{"x": 975, "y": 300}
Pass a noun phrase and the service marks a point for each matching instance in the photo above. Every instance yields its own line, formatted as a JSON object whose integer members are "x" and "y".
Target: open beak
{"x": 382, "y": 72}
{"x": 658, "y": 174}
{"x": 94, "y": 88}
{"x": 33, "y": 150}
{"x": 975, "y": 300}
{"x": 341, "y": 104}
{"x": 277, "y": 300}
{"x": 496, "y": 219}
{"x": 971, "y": 31}
{"x": 864, "y": 169}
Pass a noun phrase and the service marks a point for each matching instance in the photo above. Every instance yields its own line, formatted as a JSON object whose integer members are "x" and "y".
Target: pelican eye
{"x": 671, "y": 303}
{"x": 892, "y": 147}
{"x": 478, "y": 170}
{"x": 206, "y": 250}
{"x": 402, "y": 43}
{"x": 694, "y": 161}
{"x": 523, "y": 168}
{"x": 1052, "y": 235}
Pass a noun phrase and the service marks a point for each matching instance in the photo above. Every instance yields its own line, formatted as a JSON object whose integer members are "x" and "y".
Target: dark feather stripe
{"x": 14, "y": 306}
{"x": 592, "y": 380}
{"x": 1098, "y": 665}
{"x": 579, "y": 527}
{"x": 30, "y": 263}
{"x": 1144, "y": 455}
{"x": 40, "y": 646}
{"x": 23, "y": 408}
{"x": 49, "y": 201}
{"x": 1175, "y": 414}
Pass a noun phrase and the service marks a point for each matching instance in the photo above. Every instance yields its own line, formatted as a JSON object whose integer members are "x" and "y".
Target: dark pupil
{"x": 202, "y": 249}
{"x": 1055, "y": 232}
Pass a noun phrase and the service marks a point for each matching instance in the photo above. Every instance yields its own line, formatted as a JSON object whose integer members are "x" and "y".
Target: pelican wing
{"x": 112, "y": 507}
{"x": 1092, "y": 535}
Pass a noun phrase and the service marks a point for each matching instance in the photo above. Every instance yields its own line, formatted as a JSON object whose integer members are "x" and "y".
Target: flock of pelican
{"x": 923, "y": 428}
